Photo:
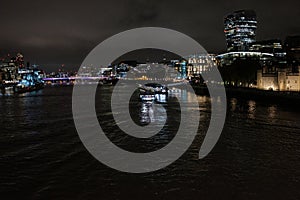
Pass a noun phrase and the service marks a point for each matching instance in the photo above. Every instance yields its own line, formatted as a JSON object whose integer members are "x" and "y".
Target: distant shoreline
{"x": 253, "y": 93}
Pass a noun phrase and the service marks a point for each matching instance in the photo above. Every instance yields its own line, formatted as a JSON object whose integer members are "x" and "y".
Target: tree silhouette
{"x": 241, "y": 71}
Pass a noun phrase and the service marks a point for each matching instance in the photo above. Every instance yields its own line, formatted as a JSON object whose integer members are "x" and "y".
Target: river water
{"x": 42, "y": 157}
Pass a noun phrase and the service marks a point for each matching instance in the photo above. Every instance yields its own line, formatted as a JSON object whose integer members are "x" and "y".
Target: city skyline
{"x": 64, "y": 33}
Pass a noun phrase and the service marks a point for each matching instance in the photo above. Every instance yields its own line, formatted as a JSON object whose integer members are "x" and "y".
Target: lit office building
{"x": 274, "y": 47}
{"x": 199, "y": 63}
{"x": 267, "y": 46}
{"x": 181, "y": 67}
{"x": 8, "y": 70}
{"x": 240, "y": 29}
{"x": 229, "y": 58}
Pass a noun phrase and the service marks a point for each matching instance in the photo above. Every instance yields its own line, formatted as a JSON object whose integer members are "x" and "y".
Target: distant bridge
{"x": 72, "y": 79}
{"x": 103, "y": 79}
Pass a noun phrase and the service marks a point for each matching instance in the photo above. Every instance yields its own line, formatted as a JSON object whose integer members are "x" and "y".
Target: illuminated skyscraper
{"x": 240, "y": 28}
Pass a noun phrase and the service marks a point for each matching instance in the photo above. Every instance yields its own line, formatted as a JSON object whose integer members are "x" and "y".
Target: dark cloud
{"x": 53, "y": 32}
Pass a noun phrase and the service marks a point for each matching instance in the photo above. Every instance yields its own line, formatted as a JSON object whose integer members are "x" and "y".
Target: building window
{"x": 295, "y": 81}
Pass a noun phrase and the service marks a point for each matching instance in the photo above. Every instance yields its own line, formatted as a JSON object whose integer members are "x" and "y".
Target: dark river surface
{"x": 42, "y": 157}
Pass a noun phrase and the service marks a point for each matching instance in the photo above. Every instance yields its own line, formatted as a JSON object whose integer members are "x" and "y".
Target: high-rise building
{"x": 240, "y": 29}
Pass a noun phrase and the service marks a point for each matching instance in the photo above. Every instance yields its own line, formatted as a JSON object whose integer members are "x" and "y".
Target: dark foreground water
{"x": 42, "y": 157}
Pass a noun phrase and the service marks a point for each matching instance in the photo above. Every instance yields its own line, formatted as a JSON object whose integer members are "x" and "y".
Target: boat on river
{"x": 153, "y": 92}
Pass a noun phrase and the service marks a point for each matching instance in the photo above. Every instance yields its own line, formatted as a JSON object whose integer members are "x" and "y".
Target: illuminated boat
{"x": 146, "y": 94}
{"x": 153, "y": 92}
{"x": 158, "y": 88}
{"x": 20, "y": 88}
{"x": 31, "y": 81}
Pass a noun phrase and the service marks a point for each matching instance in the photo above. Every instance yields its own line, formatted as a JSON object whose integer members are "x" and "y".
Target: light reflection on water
{"x": 251, "y": 109}
{"x": 148, "y": 114}
{"x": 257, "y": 156}
{"x": 233, "y": 102}
{"x": 272, "y": 111}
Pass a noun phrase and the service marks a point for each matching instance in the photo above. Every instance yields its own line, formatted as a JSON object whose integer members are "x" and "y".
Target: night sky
{"x": 51, "y": 33}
